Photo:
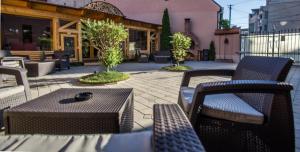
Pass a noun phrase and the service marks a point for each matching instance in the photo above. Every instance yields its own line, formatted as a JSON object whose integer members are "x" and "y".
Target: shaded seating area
{"x": 49, "y": 63}
{"x": 252, "y": 112}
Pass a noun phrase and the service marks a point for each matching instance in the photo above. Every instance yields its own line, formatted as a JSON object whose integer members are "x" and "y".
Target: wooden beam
{"x": 140, "y": 28}
{"x": 68, "y": 31}
{"x": 68, "y": 25}
{"x": 15, "y": 3}
{"x": 148, "y": 41}
{"x": 79, "y": 39}
{"x": 55, "y": 34}
{"x": 23, "y": 11}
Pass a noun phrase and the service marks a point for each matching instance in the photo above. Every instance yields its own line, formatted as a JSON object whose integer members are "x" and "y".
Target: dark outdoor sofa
{"x": 252, "y": 112}
{"x": 172, "y": 132}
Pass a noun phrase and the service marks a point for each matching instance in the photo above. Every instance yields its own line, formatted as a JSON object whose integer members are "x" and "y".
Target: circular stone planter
{"x": 180, "y": 68}
{"x": 104, "y": 78}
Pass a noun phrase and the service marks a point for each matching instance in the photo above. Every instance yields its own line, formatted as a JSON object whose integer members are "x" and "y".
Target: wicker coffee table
{"x": 108, "y": 111}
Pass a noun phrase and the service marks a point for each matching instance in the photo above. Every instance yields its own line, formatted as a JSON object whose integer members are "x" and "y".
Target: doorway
{"x": 70, "y": 46}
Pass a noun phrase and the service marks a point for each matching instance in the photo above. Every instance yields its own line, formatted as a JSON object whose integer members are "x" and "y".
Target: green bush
{"x": 180, "y": 44}
{"x": 225, "y": 24}
{"x": 104, "y": 78}
{"x": 112, "y": 57}
{"x": 166, "y": 32}
{"x": 105, "y": 36}
{"x": 212, "y": 51}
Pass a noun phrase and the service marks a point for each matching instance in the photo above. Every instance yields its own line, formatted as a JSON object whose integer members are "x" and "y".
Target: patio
{"x": 151, "y": 86}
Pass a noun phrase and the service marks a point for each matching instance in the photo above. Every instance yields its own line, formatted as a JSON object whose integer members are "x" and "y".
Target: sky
{"x": 240, "y": 10}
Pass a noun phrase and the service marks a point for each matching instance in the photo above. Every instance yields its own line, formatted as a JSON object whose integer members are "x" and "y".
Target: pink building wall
{"x": 227, "y": 47}
{"x": 203, "y": 14}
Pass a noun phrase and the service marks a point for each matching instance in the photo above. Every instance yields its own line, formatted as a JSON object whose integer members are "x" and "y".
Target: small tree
{"x": 105, "y": 36}
{"x": 212, "y": 51}
{"x": 166, "y": 32}
{"x": 180, "y": 44}
{"x": 225, "y": 24}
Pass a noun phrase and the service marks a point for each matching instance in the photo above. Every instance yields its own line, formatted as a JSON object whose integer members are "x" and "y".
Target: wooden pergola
{"x": 71, "y": 17}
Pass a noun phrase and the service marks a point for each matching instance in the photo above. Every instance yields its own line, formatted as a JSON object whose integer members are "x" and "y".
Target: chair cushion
{"x": 130, "y": 142}
{"x": 224, "y": 106}
{"x": 9, "y": 91}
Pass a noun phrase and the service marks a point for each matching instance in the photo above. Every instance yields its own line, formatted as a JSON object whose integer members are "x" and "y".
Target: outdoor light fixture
{"x": 283, "y": 23}
{"x": 13, "y": 30}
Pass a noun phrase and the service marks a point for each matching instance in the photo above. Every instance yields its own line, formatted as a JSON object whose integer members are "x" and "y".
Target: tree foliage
{"x": 105, "y": 36}
{"x": 225, "y": 24}
{"x": 212, "y": 51}
{"x": 166, "y": 32}
{"x": 180, "y": 44}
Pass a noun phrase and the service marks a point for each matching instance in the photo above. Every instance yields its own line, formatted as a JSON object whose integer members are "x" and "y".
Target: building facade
{"x": 202, "y": 15}
{"x": 54, "y": 25}
{"x": 283, "y": 14}
{"x": 30, "y": 28}
{"x": 258, "y": 20}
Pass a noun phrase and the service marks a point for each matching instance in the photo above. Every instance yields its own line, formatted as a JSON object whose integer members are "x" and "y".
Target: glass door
{"x": 70, "y": 46}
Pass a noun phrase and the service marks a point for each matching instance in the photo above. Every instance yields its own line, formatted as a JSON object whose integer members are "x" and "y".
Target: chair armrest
{"x": 235, "y": 86}
{"x": 172, "y": 130}
{"x": 21, "y": 78}
{"x": 194, "y": 73}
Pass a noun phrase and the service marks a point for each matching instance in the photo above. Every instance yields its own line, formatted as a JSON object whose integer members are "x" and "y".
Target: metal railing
{"x": 273, "y": 44}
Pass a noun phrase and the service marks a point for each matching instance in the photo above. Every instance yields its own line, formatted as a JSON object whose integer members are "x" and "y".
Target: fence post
{"x": 273, "y": 47}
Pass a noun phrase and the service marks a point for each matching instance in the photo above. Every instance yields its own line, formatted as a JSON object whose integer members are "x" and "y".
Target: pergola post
{"x": 148, "y": 41}
{"x": 55, "y": 39}
{"x": 78, "y": 26}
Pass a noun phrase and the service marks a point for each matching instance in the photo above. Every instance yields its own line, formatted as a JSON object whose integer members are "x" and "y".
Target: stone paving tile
{"x": 152, "y": 86}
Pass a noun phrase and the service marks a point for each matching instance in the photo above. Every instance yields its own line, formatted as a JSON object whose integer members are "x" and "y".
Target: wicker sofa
{"x": 171, "y": 132}
{"x": 252, "y": 112}
{"x": 13, "y": 95}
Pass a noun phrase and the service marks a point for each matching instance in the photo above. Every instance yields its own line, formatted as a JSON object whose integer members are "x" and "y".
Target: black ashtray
{"x": 83, "y": 96}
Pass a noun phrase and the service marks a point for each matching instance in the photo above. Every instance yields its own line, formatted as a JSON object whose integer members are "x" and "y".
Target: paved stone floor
{"x": 151, "y": 86}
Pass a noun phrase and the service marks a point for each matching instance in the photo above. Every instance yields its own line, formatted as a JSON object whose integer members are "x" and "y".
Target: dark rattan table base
{"x": 108, "y": 111}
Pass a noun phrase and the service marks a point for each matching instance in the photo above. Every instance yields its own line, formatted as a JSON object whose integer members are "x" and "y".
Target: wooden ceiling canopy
{"x": 93, "y": 10}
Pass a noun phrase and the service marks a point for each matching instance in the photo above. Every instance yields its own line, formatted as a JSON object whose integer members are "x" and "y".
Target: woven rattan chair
{"x": 172, "y": 132}
{"x": 252, "y": 112}
{"x": 13, "y": 95}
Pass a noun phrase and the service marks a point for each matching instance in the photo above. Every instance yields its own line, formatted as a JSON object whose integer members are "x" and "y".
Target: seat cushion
{"x": 224, "y": 106}
{"x": 10, "y": 90}
{"x": 131, "y": 142}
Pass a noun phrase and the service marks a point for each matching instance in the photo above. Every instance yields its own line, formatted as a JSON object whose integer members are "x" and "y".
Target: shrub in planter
{"x": 105, "y": 36}
{"x": 180, "y": 44}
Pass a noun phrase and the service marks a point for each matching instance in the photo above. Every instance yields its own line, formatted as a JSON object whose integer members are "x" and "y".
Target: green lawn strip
{"x": 104, "y": 77}
{"x": 179, "y": 68}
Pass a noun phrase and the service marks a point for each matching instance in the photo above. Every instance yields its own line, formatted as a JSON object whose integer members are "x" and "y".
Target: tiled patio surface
{"x": 151, "y": 86}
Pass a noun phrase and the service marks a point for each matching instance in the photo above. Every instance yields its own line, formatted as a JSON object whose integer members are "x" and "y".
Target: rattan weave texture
{"x": 108, "y": 111}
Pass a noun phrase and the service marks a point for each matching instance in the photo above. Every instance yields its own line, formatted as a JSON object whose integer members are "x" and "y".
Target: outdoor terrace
{"x": 151, "y": 86}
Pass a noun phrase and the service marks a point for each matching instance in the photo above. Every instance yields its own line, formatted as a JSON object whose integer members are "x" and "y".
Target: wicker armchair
{"x": 252, "y": 112}
{"x": 11, "y": 96}
{"x": 172, "y": 132}
{"x": 62, "y": 60}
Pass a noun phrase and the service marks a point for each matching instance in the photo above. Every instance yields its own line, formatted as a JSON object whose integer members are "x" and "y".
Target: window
{"x": 27, "y": 33}
{"x": 139, "y": 38}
